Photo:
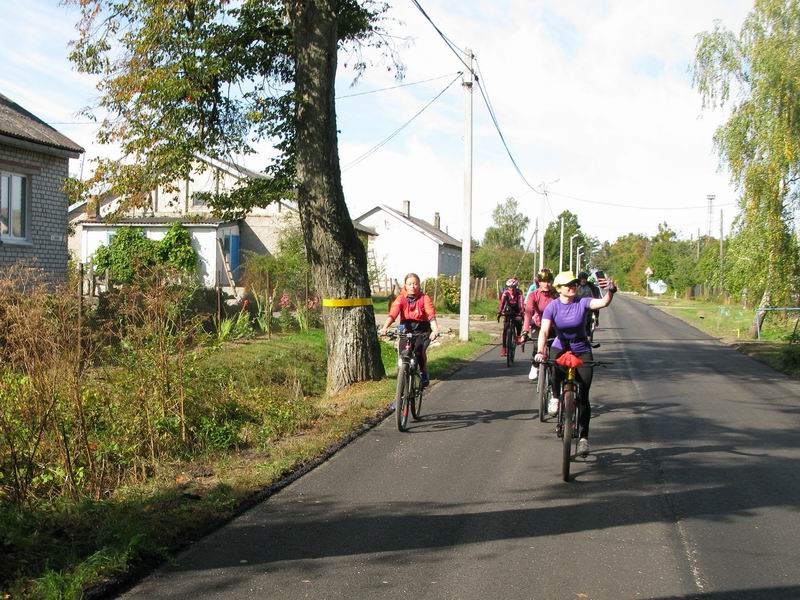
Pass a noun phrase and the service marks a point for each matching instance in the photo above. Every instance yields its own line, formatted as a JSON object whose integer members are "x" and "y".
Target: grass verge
{"x": 731, "y": 324}
{"x": 70, "y": 550}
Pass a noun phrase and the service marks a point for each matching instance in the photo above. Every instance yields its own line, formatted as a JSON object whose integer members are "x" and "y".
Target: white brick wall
{"x": 47, "y": 225}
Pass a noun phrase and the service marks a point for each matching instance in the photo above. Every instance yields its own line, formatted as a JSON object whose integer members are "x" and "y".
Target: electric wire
{"x": 603, "y": 203}
{"x": 394, "y": 87}
{"x": 450, "y": 44}
{"x": 380, "y": 144}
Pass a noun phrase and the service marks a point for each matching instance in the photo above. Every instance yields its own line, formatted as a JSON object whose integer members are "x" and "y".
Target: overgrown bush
{"x": 129, "y": 250}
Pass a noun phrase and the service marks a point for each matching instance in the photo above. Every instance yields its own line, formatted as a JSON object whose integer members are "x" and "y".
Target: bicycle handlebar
{"x": 394, "y": 334}
{"x": 586, "y": 363}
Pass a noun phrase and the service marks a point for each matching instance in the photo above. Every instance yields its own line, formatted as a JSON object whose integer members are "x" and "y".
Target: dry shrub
{"x": 65, "y": 430}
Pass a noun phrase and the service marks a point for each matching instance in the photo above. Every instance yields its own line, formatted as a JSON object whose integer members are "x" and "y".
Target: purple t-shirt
{"x": 569, "y": 321}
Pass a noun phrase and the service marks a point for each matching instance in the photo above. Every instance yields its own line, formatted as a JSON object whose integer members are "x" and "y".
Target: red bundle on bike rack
{"x": 568, "y": 359}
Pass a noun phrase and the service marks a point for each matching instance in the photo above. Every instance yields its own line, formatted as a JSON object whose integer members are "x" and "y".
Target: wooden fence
{"x": 481, "y": 288}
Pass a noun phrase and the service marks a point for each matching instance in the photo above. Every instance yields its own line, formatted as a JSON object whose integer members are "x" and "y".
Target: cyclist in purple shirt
{"x": 567, "y": 316}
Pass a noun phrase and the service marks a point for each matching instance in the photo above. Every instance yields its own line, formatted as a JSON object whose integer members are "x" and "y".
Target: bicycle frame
{"x": 409, "y": 386}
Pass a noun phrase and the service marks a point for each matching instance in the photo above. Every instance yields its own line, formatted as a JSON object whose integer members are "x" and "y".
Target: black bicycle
{"x": 569, "y": 407}
{"x": 592, "y": 324}
{"x": 510, "y": 336}
{"x": 544, "y": 388}
{"x": 408, "y": 398}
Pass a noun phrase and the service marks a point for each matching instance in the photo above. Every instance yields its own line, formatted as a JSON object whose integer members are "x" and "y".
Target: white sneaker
{"x": 583, "y": 447}
{"x": 552, "y": 406}
{"x": 534, "y": 374}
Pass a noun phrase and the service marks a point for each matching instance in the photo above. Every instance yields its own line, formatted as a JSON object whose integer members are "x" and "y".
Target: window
{"x": 13, "y": 206}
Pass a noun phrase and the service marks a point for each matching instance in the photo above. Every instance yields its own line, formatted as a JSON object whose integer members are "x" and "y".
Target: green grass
{"x": 58, "y": 550}
{"x": 728, "y": 321}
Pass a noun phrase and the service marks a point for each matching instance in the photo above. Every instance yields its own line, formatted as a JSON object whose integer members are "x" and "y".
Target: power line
{"x": 705, "y": 206}
{"x": 394, "y": 87}
{"x": 377, "y": 146}
{"x": 493, "y": 115}
{"x": 450, "y": 44}
{"x": 487, "y": 102}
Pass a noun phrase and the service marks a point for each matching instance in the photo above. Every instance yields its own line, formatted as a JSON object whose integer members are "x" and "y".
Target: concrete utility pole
{"x": 710, "y": 198}
{"x": 466, "y": 242}
{"x": 541, "y": 240}
{"x": 561, "y": 248}
{"x": 570, "y": 249}
{"x": 721, "y": 288}
{"x": 578, "y": 259}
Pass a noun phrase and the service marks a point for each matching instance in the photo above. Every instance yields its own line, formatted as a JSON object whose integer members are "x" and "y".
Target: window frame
{"x": 8, "y": 237}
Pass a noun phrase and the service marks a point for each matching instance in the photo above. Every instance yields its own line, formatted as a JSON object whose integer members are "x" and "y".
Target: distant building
{"x": 404, "y": 243}
{"x": 34, "y": 162}
{"x": 221, "y": 246}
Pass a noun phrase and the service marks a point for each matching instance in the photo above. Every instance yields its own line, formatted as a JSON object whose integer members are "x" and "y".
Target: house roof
{"x": 421, "y": 225}
{"x": 233, "y": 168}
{"x": 187, "y": 220}
{"x": 364, "y": 228}
{"x": 20, "y": 124}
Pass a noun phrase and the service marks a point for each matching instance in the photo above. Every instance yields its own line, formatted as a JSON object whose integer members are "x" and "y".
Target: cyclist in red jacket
{"x": 416, "y": 312}
{"x": 511, "y": 304}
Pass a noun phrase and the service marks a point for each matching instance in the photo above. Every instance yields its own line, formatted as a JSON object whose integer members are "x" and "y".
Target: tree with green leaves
{"x": 211, "y": 78}
{"x": 626, "y": 260}
{"x": 509, "y": 226}
{"x": 757, "y": 73}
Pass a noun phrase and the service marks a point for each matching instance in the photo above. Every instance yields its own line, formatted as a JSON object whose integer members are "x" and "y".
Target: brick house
{"x": 34, "y": 161}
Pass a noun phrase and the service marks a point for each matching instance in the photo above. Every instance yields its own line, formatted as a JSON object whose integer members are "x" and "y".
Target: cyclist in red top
{"x": 535, "y": 304}
{"x": 511, "y": 303}
{"x": 415, "y": 309}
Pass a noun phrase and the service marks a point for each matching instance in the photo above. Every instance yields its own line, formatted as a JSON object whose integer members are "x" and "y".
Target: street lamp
{"x": 570, "y": 249}
{"x": 578, "y": 258}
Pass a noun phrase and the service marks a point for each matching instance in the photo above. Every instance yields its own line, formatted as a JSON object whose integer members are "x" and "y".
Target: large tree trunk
{"x": 338, "y": 259}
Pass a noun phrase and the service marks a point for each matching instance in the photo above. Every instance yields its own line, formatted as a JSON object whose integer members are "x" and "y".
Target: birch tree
{"x": 756, "y": 74}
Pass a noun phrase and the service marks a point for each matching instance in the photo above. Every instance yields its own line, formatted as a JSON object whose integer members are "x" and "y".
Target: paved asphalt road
{"x": 691, "y": 490}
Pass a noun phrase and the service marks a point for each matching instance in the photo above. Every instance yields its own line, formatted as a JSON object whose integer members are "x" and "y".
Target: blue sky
{"x": 594, "y": 94}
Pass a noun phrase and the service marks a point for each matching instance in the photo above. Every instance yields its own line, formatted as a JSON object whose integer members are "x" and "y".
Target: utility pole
{"x": 721, "y": 288}
{"x": 710, "y": 198}
{"x": 466, "y": 242}
{"x": 698, "y": 244}
{"x": 535, "y": 245}
{"x": 561, "y": 248}
{"x": 541, "y": 240}
{"x": 570, "y": 249}
{"x": 578, "y": 259}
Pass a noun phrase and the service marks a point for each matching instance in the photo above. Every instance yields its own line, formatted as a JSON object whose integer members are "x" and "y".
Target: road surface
{"x": 691, "y": 490}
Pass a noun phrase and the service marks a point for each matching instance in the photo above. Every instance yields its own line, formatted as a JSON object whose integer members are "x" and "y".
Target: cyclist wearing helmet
{"x": 535, "y": 303}
{"x": 510, "y": 304}
{"x": 415, "y": 309}
{"x": 566, "y": 316}
{"x": 587, "y": 289}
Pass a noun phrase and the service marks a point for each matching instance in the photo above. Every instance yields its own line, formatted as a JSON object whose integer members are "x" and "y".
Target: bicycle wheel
{"x": 416, "y": 397}
{"x": 400, "y": 399}
{"x": 568, "y": 430}
{"x": 544, "y": 391}
{"x": 510, "y": 345}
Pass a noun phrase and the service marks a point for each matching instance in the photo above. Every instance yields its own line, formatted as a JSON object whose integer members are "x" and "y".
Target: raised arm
{"x": 597, "y": 303}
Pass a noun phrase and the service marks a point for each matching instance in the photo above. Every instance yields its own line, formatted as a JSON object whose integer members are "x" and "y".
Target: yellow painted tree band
{"x": 346, "y": 302}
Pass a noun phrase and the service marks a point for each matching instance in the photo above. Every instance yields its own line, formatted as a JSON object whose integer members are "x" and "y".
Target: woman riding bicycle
{"x": 415, "y": 309}
{"x": 535, "y": 304}
{"x": 566, "y": 316}
{"x": 511, "y": 306}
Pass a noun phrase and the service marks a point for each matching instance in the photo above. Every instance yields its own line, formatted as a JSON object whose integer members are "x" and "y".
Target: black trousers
{"x": 584, "y": 375}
